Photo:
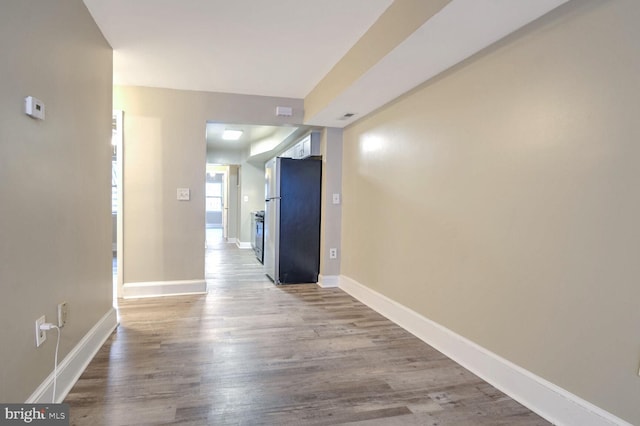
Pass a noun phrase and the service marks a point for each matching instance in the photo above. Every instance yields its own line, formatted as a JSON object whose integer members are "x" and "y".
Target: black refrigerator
{"x": 292, "y": 220}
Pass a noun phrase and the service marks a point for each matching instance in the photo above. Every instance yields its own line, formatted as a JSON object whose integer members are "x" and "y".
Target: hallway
{"x": 226, "y": 265}
{"x": 251, "y": 353}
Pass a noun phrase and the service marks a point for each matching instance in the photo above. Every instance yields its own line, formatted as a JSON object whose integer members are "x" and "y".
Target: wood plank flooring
{"x": 251, "y": 353}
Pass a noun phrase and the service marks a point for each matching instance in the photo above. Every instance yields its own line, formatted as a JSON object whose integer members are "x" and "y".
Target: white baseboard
{"x": 76, "y": 361}
{"x": 232, "y": 240}
{"x": 243, "y": 244}
{"x": 555, "y": 404}
{"x": 163, "y": 288}
{"x": 328, "y": 281}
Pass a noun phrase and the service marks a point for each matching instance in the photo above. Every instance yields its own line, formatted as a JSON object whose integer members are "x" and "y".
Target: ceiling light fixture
{"x": 231, "y": 135}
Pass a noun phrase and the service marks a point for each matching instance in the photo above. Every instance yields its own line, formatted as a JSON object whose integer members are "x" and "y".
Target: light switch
{"x": 336, "y": 198}
{"x": 184, "y": 194}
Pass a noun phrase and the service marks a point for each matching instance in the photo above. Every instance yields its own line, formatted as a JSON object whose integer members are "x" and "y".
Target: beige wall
{"x": 331, "y": 213}
{"x": 164, "y": 148}
{"x": 251, "y": 197}
{"x": 55, "y": 184}
{"x": 501, "y": 201}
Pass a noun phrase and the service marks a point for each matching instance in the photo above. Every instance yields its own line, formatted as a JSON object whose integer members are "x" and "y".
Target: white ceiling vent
{"x": 347, "y": 116}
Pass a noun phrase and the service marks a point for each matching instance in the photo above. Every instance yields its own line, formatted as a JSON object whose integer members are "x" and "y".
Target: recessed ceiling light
{"x": 231, "y": 135}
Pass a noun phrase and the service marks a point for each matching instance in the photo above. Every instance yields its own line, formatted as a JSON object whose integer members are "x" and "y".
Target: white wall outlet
{"x": 63, "y": 312}
{"x": 333, "y": 253}
{"x": 41, "y": 335}
{"x": 183, "y": 194}
{"x": 336, "y": 198}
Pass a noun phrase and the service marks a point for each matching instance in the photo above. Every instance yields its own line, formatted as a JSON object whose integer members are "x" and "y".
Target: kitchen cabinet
{"x": 309, "y": 146}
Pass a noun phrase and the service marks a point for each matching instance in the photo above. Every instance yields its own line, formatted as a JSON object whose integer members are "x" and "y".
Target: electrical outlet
{"x": 63, "y": 311}
{"x": 333, "y": 253}
{"x": 41, "y": 335}
{"x": 336, "y": 198}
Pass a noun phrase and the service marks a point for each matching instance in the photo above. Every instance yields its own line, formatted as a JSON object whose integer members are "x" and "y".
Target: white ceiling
{"x": 251, "y": 134}
{"x": 258, "y": 47}
{"x": 285, "y": 47}
{"x": 458, "y": 31}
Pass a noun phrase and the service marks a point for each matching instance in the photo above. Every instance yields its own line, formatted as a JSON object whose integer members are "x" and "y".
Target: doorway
{"x": 215, "y": 196}
{"x": 116, "y": 203}
{"x": 243, "y": 159}
{"x": 216, "y": 204}
{"x": 221, "y": 203}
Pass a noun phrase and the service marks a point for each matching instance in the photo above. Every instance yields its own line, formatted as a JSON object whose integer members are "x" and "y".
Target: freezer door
{"x": 299, "y": 228}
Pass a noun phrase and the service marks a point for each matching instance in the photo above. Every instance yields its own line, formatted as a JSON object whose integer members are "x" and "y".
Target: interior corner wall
{"x": 331, "y": 219}
{"x": 55, "y": 184}
{"x": 251, "y": 198}
{"x": 165, "y": 149}
{"x": 501, "y": 201}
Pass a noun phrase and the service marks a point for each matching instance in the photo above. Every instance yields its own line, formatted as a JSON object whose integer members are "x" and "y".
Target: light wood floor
{"x": 252, "y": 353}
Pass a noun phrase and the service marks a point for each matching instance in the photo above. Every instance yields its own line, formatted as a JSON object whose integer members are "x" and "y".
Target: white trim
{"x": 243, "y": 244}
{"x": 555, "y": 404}
{"x": 232, "y": 240}
{"x": 164, "y": 288}
{"x": 329, "y": 281}
{"x": 76, "y": 361}
{"x": 117, "y": 291}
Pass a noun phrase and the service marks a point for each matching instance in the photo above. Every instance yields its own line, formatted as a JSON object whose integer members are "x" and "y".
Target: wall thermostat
{"x": 34, "y": 107}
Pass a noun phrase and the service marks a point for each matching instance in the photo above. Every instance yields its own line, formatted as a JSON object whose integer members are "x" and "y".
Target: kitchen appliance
{"x": 292, "y": 220}
{"x": 258, "y": 235}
